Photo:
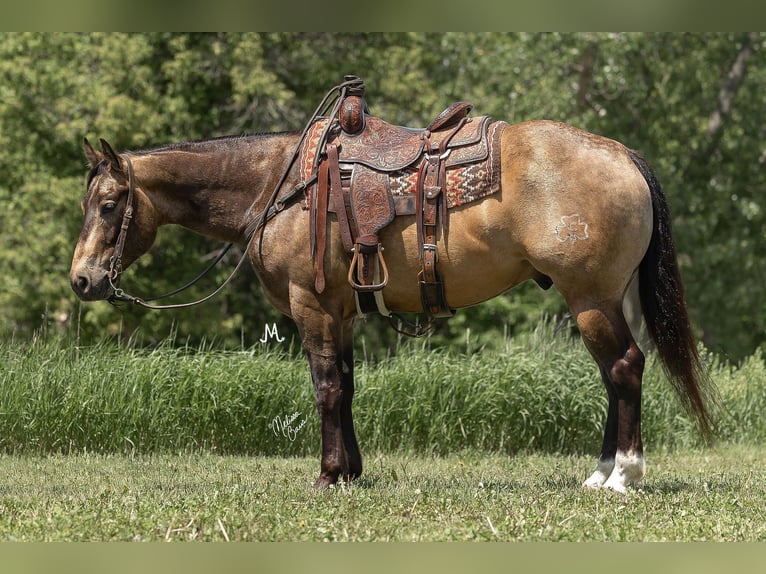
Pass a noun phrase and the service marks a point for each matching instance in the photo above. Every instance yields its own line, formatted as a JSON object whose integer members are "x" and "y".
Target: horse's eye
{"x": 108, "y": 207}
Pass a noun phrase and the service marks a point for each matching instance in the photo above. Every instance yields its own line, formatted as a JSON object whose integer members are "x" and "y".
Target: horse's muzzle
{"x": 90, "y": 284}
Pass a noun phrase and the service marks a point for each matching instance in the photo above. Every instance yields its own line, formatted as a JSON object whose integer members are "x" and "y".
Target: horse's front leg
{"x": 330, "y": 356}
{"x": 328, "y": 395}
{"x": 350, "y": 444}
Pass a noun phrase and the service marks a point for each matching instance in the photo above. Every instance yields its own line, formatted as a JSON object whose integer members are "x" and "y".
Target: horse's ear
{"x": 94, "y": 157}
{"x": 110, "y": 155}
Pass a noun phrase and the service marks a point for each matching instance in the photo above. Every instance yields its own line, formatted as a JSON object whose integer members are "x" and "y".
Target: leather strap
{"x": 115, "y": 261}
{"x": 431, "y": 216}
{"x": 338, "y": 203}
{"x": 431, "y": 287}
{"x": 319, "y": 218}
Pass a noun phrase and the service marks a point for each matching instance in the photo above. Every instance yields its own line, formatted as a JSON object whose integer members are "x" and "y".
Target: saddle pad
{"x": 465, "y": 182}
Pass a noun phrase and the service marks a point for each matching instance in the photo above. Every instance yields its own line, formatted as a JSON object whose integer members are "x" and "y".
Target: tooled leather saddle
{"x": 370, "y": 171}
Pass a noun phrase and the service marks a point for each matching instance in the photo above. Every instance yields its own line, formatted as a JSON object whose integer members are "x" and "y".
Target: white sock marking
{"x": 599, "y": 477}
{"x": 628, "y": 468}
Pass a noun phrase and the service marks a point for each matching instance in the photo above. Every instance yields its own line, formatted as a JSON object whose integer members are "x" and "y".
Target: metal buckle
{"x": 431, "y": 247}
{"x": 441, "y": 157}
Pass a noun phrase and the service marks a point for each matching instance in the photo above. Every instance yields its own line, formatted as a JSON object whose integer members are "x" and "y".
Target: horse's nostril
{"x": 87, "y": 284}
{"x": 82, "y": 283}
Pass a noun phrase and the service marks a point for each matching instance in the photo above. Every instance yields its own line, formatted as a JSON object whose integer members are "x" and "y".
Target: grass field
{"x": 113, "y": 442}
{"x": 543, "y": 394}
{"x": 706, "y": 495}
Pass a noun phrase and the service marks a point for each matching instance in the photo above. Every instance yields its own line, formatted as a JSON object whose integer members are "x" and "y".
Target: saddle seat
{"x": 387, "y": 147}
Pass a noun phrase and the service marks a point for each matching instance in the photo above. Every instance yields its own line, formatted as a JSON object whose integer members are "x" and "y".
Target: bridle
{"x": 328, "y": 107}
{"x": 115, "y": 261}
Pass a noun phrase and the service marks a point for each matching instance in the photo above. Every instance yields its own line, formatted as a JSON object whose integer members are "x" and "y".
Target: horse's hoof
{"x": 596, "y": 480}
{"x": 325, "y": 482}
{"x": 351, "y": 476}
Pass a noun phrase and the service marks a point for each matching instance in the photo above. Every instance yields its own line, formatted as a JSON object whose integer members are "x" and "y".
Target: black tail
{"x": 664, "y": 308}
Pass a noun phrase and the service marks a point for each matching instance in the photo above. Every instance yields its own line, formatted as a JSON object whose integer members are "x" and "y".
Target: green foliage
{"x": 692, "y": 103}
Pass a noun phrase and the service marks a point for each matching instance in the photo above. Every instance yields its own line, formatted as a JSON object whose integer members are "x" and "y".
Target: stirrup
{"x": 355, "y": 265}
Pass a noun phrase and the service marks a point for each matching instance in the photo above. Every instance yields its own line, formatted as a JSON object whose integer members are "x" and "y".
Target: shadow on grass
{"x": 457, "y": 484}
{"x": 375, "y": 481}
{"x": 668, "y": 486}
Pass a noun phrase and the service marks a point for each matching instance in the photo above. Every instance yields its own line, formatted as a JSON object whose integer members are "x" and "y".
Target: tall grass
{"x": 543, "y": 394}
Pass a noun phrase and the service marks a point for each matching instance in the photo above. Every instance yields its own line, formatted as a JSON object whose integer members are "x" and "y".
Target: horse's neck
{"x": 212, "y": 189}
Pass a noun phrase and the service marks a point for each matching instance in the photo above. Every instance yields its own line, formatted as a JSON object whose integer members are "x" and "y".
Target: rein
{"x": 115, "y": 261}
{"x": 274, "y": 205}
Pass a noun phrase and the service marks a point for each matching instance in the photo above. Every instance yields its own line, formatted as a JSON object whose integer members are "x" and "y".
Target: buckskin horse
{"x": 333, "y": 229}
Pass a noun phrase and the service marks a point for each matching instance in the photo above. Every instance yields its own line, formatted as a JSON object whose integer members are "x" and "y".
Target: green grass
{"x": 541, "y": 395}
{"x": 703, "y": 495}
{"x": 112, "y": 442}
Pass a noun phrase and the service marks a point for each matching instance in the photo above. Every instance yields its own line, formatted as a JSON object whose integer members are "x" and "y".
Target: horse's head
{"x": 118, "y": 224}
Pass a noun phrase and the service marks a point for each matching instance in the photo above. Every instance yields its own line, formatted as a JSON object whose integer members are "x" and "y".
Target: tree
{"x": 691, "y": 103}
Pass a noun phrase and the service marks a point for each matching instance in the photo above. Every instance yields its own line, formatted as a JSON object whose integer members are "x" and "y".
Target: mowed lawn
{"x": 708, "y": 494}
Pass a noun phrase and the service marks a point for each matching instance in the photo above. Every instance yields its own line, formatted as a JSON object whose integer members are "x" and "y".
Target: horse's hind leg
{"x": 608, "y": 338}
{"x": 609, "y": 446}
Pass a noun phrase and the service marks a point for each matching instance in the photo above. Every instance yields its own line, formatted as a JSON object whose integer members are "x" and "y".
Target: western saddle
{"x": 370, "y": 171}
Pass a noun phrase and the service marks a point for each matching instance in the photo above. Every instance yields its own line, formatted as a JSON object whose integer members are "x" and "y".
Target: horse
{"x": 575, "y": 210}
